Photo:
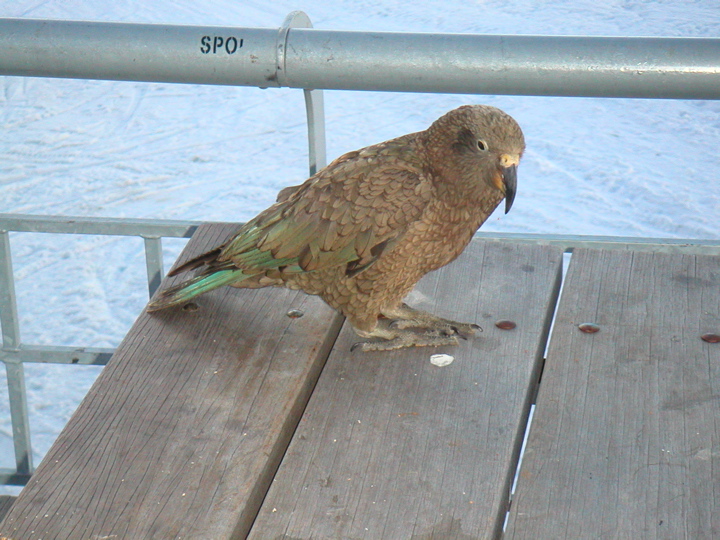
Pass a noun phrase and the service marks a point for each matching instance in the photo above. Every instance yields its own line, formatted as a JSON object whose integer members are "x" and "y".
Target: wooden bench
{"x": 6, "y": 502}
{"x": 229, "y": 419}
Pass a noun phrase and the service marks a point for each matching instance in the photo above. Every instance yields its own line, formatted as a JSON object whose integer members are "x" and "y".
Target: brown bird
{"x": 362, "y": 231}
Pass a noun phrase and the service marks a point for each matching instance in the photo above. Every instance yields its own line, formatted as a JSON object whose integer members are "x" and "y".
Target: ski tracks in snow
{"x": 122, "y": 149}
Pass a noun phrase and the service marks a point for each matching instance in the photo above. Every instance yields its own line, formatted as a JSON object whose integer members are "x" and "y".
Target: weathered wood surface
{"x": 182, "y": 432}
{"x": 6, "y": 502}
{"x": 625, "y": 441}
{"x": 393, "y": 447}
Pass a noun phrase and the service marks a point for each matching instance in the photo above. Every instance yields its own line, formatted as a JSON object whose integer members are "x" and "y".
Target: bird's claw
{"x": 409, "y": 339}
{"x": 408, "y": 327}
{"x": 441, "y": 326}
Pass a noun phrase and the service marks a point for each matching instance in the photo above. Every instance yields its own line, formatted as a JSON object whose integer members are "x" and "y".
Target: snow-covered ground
{"x": 93, "y": 148}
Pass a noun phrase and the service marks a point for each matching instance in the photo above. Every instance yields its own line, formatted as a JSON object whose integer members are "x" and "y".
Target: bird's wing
{"x": 347, "y": 214}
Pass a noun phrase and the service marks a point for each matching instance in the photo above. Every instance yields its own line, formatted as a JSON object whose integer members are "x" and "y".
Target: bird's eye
{"x": 482, "y": 145}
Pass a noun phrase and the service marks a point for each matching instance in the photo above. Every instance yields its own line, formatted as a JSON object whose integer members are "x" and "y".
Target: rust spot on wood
{"x": 505, "y": 324}
{"x": 711, "y": 338}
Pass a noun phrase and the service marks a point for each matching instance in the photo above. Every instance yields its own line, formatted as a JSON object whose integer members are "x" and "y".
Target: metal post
{"x": 8, "y": 302}
{"x": 15, "y": 371}
{"x": 19, "y": 417}
{"x": 314, "y": 102}
{"x": 153, "y": 262}
{"x": 315, "y": 107}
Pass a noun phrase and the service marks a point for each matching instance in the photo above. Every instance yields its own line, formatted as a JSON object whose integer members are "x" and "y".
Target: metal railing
{"x": 295, "y": 55}
{"x": 14, "y": 353}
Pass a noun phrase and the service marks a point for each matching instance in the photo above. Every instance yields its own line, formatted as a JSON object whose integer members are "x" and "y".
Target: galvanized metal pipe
{"x": 153, "y": 262}
{"x": 9, "y": 320}
{"x": 686, "y": 68}
{"x": 314, "y": 100}
{"x": 570, "y": 242}
{"x": 55, "y": 354}
{"x": 185, "y": 229}
{"x": 520, "y": 65}
{"x": 12, "y": 477}
{"x": 93, "y": 225}
{"x": 19, "y": 417}
{"x": 17, "y": 394}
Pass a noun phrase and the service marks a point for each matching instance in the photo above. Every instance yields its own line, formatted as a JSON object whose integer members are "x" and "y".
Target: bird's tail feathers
{"x": 179, "y": 294}
{"x": 197, "y": 262}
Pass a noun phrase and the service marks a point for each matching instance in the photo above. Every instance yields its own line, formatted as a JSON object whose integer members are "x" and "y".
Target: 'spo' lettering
{"x": 218, "y": 44}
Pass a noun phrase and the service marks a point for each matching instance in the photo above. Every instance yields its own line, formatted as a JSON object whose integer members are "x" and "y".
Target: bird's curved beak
{"x": 509, "y": 179}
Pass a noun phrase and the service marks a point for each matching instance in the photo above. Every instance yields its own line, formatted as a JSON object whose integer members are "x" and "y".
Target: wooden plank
{"x": 393, "y": 447}
{"x": 6, "y": 502}
{"x": 625, "y": 441}
{"x": 181, "y": 433}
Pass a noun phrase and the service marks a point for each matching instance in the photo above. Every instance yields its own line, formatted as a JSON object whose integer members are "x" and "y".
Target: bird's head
{"x": 478, "y": 143}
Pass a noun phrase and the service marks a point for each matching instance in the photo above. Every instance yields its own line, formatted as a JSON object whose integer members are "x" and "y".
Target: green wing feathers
{"x": 346, "y": 215}
{"x": 187, "y": 290}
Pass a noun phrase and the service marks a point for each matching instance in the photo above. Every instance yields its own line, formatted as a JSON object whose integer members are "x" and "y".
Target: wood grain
{"x": 180, "y": 435}
{"x": 394, "y": 447}
{"x": 6, "y": 502}
{"x": 625, "y": 442}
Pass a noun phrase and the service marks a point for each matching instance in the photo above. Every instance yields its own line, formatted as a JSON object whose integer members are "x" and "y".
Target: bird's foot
{"x": 386, "y": 337}
{"x": 443, "y": 327}
{"x": 399, "y": 339}
{"x": 405, "y": 317}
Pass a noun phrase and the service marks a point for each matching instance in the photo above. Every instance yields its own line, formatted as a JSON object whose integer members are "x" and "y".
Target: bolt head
{"x": 588, "y": 327}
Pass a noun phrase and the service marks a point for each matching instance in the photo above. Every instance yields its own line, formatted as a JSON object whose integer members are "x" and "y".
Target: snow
{"x": 93, "y": 148}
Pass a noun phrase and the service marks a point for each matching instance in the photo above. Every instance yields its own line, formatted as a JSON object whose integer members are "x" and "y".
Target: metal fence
{"x": 295, "y": 55}
{"x": 14, "y": 353}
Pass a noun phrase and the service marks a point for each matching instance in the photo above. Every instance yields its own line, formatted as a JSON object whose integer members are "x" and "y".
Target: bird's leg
{"x": 398, "y": 338}
{"x": 404, "y": 317}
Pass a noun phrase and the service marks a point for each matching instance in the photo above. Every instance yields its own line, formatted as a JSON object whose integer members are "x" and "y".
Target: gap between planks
{"x": 625, "y": 435}
{"x": 391, "y": 446}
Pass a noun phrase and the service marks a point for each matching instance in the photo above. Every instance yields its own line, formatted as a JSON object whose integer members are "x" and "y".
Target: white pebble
{"x": 441, "y": 360}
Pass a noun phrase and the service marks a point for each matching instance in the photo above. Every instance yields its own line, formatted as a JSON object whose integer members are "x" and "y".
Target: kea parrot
{"x": 361, "y": 232}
